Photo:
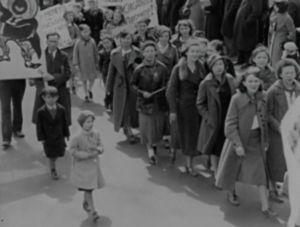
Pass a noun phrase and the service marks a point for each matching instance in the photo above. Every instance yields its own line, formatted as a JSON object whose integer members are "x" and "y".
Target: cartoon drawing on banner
{"x": 18, "y": 24}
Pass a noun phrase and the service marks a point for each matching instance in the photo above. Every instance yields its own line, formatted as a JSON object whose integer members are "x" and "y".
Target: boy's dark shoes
{"x": 5, "y": 145}
{"x": 19, "y": 134}
{"x": 54, "y": 174}
{"x": 86, "y": 99}
{"x": 91, "y": 95}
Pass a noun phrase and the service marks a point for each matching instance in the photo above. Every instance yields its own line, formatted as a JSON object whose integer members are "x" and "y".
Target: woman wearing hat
{"x": 281, "y": 29}
{"x": 123, "y": 61}
{"x": 168, "y": 54}
{"x": 141, "y": 34}
{"x": 182, "y": 96}
{"x": 213, "y": 100}
{"x": 149, "y": 82}
{"x": 243, "y": 157}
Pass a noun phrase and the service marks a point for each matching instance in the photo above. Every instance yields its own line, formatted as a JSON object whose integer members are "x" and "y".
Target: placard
{"x": 21, "y": 46}
{"x": 52, "y": 20}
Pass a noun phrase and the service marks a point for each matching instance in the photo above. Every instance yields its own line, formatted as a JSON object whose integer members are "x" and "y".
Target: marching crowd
{"x": 176, "y": 84}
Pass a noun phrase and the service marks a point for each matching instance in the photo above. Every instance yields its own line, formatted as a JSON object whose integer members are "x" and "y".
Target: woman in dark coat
{"x": 214, "y": 16}
{"x": 213, "y": 100}
{"x": 245, "y": 33}
{"x": 182, "y": 95}
{"x": 168, "y": 55}
{"x": 280, "y": 97}
{"x": 124, "y": 59}
{"x": 244, "y": 153}
{"x": 149, "y": 81}
{"x": 230, "y": 10}
{"x": 60, "y": 69}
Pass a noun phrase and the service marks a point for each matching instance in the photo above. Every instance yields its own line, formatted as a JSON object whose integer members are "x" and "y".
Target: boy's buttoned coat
{"x": 238, "y": 125}
{"x": 116, "y": 83}
{"x": 209, "y": 106}
{"x": 277, "y": 108}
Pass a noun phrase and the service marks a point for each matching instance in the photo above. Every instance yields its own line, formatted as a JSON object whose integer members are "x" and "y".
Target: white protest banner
{"x": 134, "y": 10}
{"x": 290, "y": 131}
{"x": 52, "y": 20}
{"x": 107, "y": 3}
{"x": 21, "y": 48}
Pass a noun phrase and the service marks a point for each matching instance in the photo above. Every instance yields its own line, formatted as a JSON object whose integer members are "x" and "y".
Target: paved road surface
{"x": 136, "y": 194}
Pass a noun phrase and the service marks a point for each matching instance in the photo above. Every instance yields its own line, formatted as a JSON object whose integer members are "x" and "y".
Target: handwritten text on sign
{"x": 53, "y": 21}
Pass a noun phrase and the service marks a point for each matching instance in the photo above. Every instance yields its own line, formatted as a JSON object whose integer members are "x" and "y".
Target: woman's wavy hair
{"x": 122, "y": 17}
{"x": 259, "y": 49}
{"x": 187, "y": 23}
{"x": 251, "y": 71}
{"x": 285, "y": 63}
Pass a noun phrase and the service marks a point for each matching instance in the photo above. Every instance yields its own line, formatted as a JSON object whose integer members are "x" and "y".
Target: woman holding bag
{"x": 244, "y": 154}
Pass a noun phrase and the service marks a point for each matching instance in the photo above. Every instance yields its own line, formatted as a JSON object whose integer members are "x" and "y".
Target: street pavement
{"x": 136, "y": 194}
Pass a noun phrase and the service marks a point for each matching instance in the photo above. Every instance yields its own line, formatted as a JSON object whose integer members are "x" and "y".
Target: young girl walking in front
{"x": 85, "y": 60}
{"x": 86, "y": 173}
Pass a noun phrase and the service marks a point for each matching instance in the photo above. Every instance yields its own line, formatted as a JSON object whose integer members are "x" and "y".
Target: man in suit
{"x": 58, "y": 73}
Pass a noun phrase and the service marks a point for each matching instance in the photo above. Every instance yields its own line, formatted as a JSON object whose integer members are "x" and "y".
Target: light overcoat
{"x": 238, "y": 125}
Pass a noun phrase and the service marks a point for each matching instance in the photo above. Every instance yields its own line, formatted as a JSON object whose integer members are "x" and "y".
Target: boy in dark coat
{"x": 52, "y": 127}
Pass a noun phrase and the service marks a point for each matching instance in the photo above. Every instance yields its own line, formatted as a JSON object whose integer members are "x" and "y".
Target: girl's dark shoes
{"x": 5, "y": 145}
{"x": 268, "y": 213}
{"x": 152, "y": 160}
{"x": 74, "y": 90}
{"x": 233, "y": 199}
{"x": 91, "y": 95}
{"x": 155, "y": 149}
{"x": 131, "y": 139}
{"x": 191, "y": 171}
{"x": 86, "y": 99}
{"x": 19, "y": 134}
{"x": 94, "y": 215}
{"x": 54, "y": 174}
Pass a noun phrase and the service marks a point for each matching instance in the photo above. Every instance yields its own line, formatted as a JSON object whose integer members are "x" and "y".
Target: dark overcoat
{"x": 214, "y": 20}
{"x": 245, "y": 33}
{"x": 182, "y": 96}
{"x": 53, "y": 131}
{"x": 237, "y": 131}
{"x": 116, "y": 83}
{"x": 169, "y": 58}
{"x": 277, "y": 108}
{"x": 230, "y": 10}
{"x": 209, "y": 106}
{"x": 294, "y": 11}
{"x": 104, "y": 61}
{"x": 59, "y": 68}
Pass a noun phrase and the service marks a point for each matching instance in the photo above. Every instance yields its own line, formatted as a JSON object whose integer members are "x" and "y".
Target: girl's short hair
{"x": 190, "y": 44}
{"x": 50, "y": 90}
{"x": 285, "y": 63}
{"x": 83, "y": 27}
{"x": 68, "y": 12}
{"x": 186, "y": 23}
{"x": 203, "y": 41}
{"x": 199, "y": 34}
{"x": 218, "y": 45}
{"x": 117, "y": 11}
{"x": 163, "y": 29}
{"x": 260, "y": 49}
{"x": 241, "y": 85}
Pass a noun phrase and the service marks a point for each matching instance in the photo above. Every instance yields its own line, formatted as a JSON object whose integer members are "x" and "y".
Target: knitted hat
{"x": 213, "y": 59}
{"x": 84, "y": 115}
{"x": 291, "y": 46}
{"x": 148, "y": 43}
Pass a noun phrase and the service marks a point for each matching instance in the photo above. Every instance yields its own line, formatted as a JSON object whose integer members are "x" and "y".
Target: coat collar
{"x": 212, "y": 84}
{"x": 117, "y": 59}
{"x": 57, "y": 55}
{"x": 47, "y": 112}
{"x": 244, "y": 99}
{"x": 167, "y": 55}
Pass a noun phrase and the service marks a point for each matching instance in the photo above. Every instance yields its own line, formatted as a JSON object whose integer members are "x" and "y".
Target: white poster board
{"x": 52, "y": 20}
{"x": 21, "y": 46}
{"x": 290, "y": 131}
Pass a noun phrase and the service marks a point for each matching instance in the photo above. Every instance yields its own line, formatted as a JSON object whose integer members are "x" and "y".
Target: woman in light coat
{"x": 243, "y": 155}
{"x": 281, "y": 29}
{"x": 280, "y": 97}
